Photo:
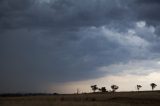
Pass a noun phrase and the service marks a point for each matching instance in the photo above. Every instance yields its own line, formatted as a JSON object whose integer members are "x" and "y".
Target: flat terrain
{"x": 105, "y": 99}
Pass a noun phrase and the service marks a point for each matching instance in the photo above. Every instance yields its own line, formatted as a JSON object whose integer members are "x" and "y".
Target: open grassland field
{"x": 105, "y": 99}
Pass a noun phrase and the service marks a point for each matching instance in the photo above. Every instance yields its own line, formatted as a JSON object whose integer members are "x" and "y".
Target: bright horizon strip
{"x": 131, "y": 74}
{"x": 126, "y": 82}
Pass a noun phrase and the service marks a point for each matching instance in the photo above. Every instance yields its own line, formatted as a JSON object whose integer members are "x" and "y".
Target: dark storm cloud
{"x": 63, "y": 40}
{"x": 60, "y": 13}
{"x": 148, "y": 1}
{"x": 147, "y": 10}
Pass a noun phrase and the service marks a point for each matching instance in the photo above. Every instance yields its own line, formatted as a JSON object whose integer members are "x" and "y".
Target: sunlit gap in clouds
{"x": 127, "y": 78}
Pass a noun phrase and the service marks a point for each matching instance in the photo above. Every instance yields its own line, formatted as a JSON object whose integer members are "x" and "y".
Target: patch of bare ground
{"x": 105, "y": 99}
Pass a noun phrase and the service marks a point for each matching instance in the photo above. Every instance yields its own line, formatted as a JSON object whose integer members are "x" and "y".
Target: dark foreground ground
{"x": 107, "y": 99}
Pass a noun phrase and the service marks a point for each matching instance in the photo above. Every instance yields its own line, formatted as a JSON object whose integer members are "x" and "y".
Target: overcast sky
{"x": 62, "y": 45}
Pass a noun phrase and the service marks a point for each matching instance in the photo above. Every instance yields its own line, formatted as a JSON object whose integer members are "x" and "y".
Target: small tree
{"x": 114, "y": 88}
{"x": 94, "y": 87}
{"x": 153, "y": 85}
{"x": 138, "y": 87}
{"x": 103, "y": 89}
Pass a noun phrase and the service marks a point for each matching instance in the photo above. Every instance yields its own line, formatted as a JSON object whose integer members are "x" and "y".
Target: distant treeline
{"x": 26, "y": 94}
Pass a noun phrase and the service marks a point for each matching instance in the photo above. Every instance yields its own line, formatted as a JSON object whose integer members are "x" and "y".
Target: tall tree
{"x": 138, "y": 87}
{"x": 114, "y": 87}
{"x": 153, "y": 85}
{"x": 94, "y": 87}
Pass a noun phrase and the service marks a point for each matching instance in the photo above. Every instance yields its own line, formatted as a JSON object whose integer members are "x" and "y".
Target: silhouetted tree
{"x": 138, "y": 87}
{"x": 114, "y": 87}
{"x": 94, "y": 87}
{"x": 103, "y": 89}
{"x": 153, "y": 85}
{"x": 77, "y": 91}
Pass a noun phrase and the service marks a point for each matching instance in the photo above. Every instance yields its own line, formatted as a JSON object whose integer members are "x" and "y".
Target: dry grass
{"x": 108, "y": 99}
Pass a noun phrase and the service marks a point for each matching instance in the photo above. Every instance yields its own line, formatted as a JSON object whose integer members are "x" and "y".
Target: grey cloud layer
{"x": 66, "y": 40}
{"x": 61, "y": 13}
